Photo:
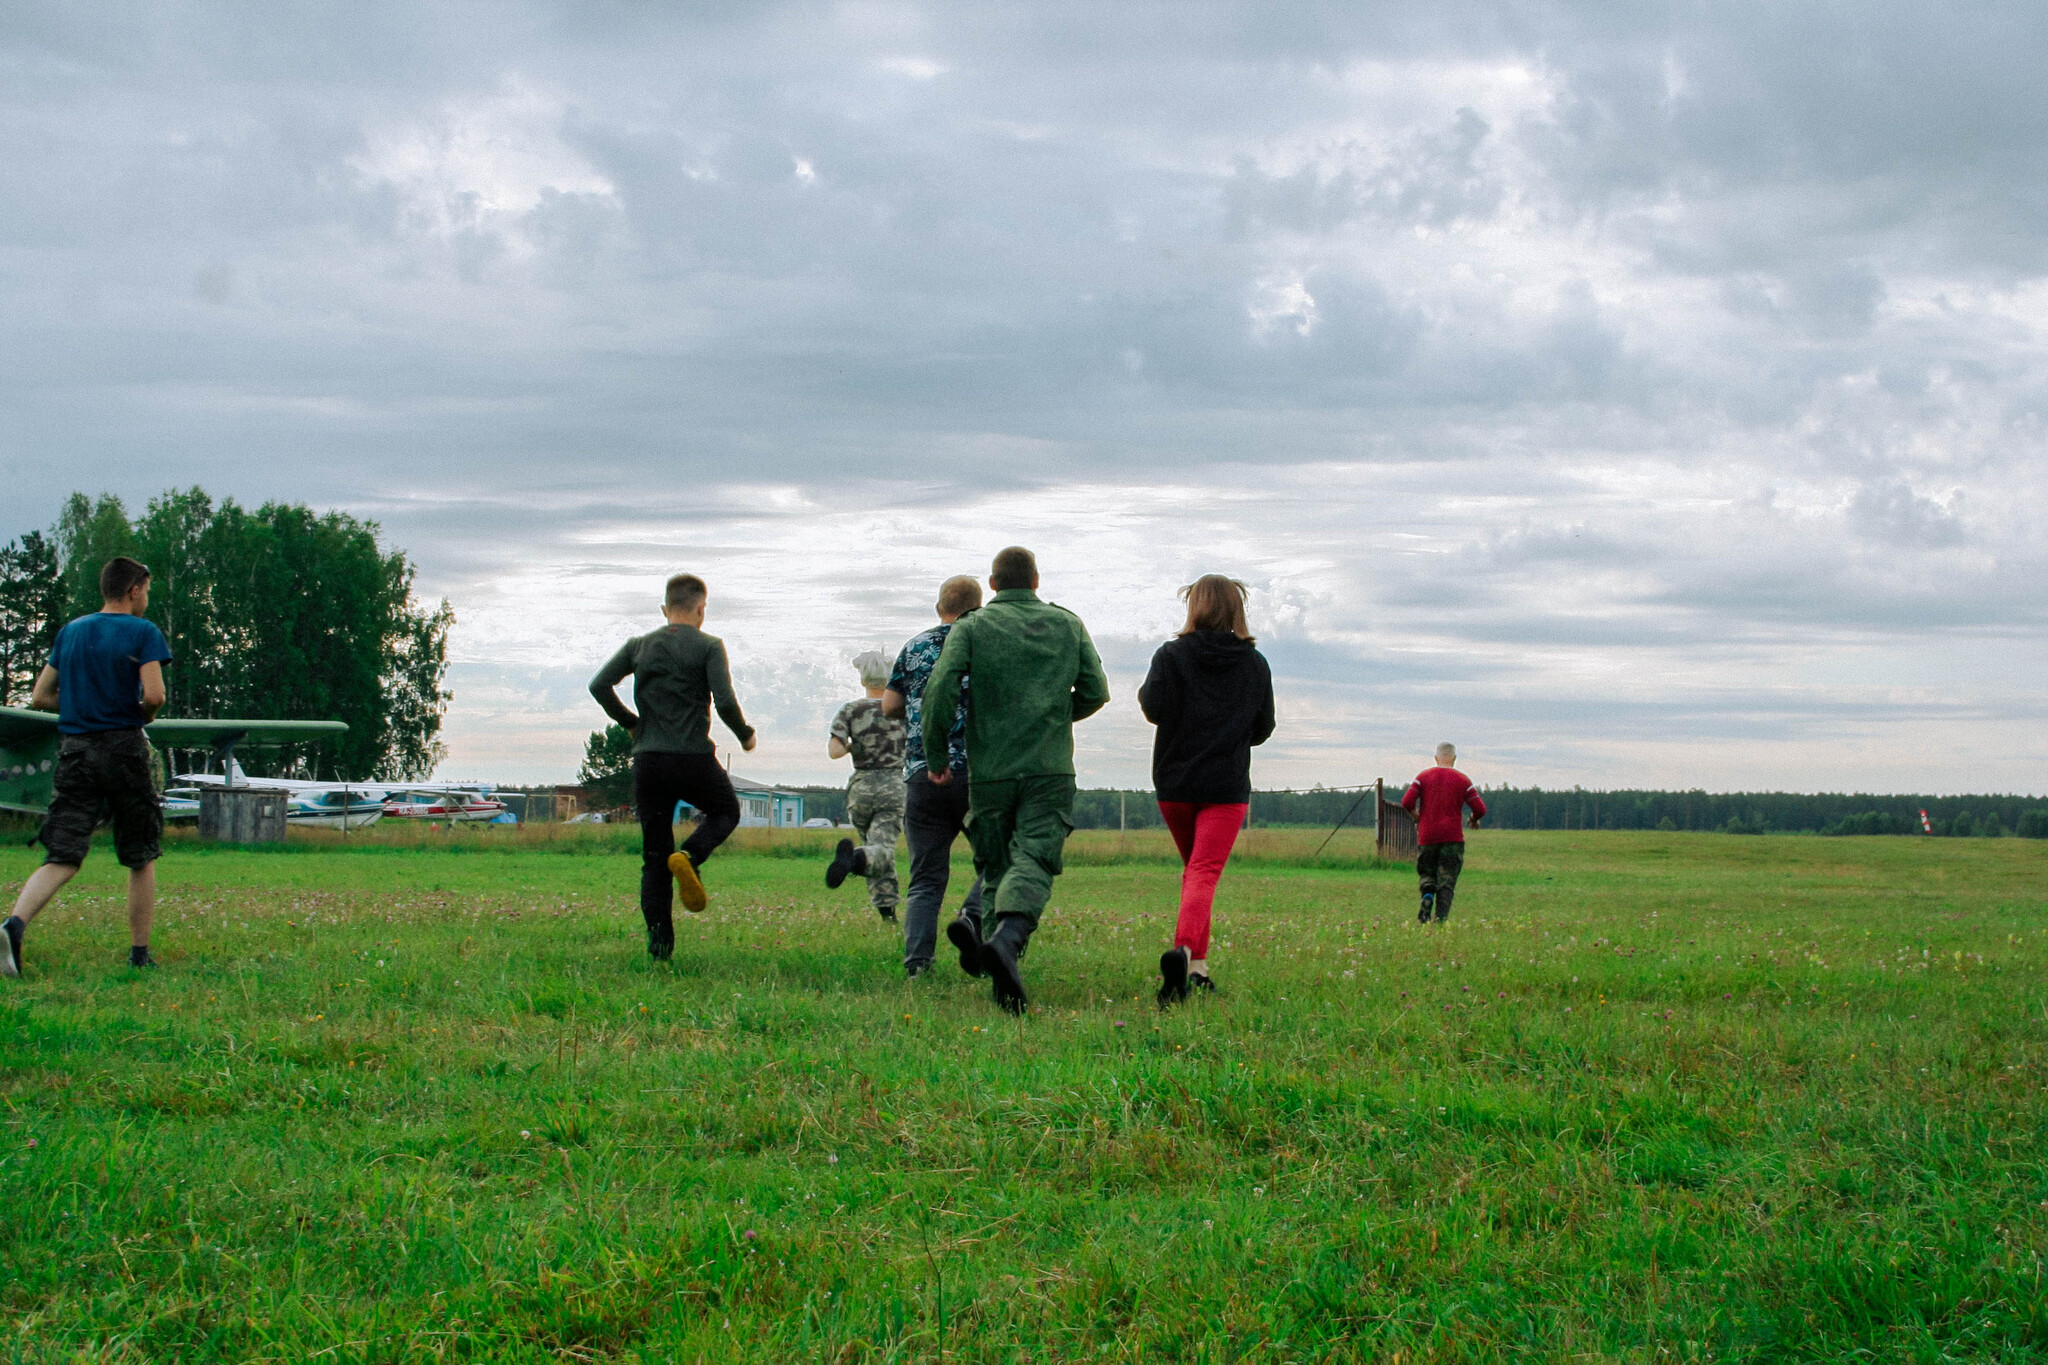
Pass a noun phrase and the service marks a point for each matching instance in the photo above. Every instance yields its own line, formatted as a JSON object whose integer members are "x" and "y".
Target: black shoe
{"x": 1000, "y": 962}
{"x": 964, "y": 934}
{"x": 860, "y": 862}
{"x": 1428, "y": 906}
{"x": 661, "y": 941}
{"x": 887, "y": 912}
{"x": 1173, "y": 977}
{"x": 913, "y": 970}
{"x": 1199, "y": 981}
{"x": 1443, "y": 911}
{"x": 139, "y": 957}
{"x": 10, "y": 949}
{"x": 842, "y": 863}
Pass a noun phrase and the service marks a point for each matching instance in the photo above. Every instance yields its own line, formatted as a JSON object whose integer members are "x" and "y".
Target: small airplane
{"x": 455, "y": 805}
{"x": 313, "y": 805}
{"x": 28, "y": 747}
{"x": 347, "y": 805}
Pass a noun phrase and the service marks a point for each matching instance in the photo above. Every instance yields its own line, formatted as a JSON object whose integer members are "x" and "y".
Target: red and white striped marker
{"x": 1926, "y": 825}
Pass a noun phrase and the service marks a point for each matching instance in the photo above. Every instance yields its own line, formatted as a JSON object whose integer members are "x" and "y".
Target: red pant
{"x": 1204, "y": 835}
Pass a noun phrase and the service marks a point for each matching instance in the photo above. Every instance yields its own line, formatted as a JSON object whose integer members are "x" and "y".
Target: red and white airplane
{"x": 452, "y": 804}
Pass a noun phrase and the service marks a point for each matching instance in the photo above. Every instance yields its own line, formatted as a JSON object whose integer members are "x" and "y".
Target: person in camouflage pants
{"x": 874, "y": 797}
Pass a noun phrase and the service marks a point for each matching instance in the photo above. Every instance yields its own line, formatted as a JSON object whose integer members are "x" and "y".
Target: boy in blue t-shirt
{"x": 105, "y": 681}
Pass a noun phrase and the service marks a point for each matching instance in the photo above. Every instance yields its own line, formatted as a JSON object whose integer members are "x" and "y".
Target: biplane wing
{"x": 28, "y": 746}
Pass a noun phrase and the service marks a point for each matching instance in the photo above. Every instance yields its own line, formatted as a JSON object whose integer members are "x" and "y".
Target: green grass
{"x": 1652, "y": 1097}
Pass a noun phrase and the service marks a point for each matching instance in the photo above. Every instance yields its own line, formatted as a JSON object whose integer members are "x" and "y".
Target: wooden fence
{"x": 1394, "y": 829}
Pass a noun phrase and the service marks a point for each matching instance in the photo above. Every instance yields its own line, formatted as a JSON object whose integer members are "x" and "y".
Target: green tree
{"x": 89, "y": 534}
{"x": 607, "y": 771}
{"x": 31, "y": 612}
{"x": 281, "y": 611}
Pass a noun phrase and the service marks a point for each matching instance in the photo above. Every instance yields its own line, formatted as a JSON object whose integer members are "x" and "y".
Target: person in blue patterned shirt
{"x": 933, "y": 815}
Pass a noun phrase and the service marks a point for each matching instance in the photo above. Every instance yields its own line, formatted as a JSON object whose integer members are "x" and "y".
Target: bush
{"x": 1666, "y": 826}
{"x": 1869, "y": 822}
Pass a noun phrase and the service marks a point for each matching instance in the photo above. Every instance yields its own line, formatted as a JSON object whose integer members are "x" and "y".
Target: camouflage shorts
{"x": 100, "y": 777}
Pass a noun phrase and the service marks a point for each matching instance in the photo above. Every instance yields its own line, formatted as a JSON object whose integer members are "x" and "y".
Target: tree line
{"x": 276, "y": 612}
{"x": 608, "y": 761}
{"x": 1981, "y": 816}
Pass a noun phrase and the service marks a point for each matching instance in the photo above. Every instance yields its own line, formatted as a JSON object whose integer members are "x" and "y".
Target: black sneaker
{"x": 1428, "y": 906}
{"x": 964, "y": 934}
{"x": 661, "y": 941}
{"x": 1173, "y": 977}
{"x": 10, "y": 948}
{"x": 913, "y": 970}
{"x": 999, "y": 960}
{"x": 887, "y": 912}
{"x": 860, "y": 862}
{"x": 1443, "y": 911}
{"x": 1199, "y": 981}
{"x": 139, "y": 957}
{"x": 842, "y": 863}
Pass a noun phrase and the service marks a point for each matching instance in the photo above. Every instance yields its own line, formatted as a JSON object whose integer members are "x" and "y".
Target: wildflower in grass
{"x": 750, "y": 1234}
{"x": 31, "y": 1142}
{"x": 832, "y": 1158}
{"x": 525, "y": 1134}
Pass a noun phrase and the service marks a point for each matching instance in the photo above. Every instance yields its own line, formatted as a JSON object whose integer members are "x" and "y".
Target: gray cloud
{"x": 1529, "y": 354}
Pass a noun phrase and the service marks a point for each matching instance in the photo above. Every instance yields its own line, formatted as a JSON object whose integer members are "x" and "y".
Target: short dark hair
{"x": 959, "y": 595}
{"x": 1015, "y": 567}
{"x": 122, "y": 576}
{"x": 685, "y": 591}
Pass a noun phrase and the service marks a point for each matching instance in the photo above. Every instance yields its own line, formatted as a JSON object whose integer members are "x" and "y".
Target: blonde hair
{"x": 959, "y": 595}
{"x": 1447, "y": 750}
{"x": 1216, "y": 602}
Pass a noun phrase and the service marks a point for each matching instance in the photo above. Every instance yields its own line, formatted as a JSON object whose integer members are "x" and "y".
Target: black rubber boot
{"x": 1173, "y": 977}
{"x": 964, "y": 933}
{"x": 842, "y": 864}
{"x": 661, "y": 939}
{"x": 999, "y": 959}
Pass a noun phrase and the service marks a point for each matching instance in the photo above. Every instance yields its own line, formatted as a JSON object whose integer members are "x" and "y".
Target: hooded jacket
{"x": 1211, "y": 695}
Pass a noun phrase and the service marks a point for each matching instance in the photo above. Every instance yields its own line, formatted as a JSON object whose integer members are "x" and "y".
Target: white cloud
{"x": 478, "y": 161}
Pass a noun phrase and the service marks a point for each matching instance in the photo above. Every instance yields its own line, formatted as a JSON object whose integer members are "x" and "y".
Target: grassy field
{"x": 1654, "y": 1097}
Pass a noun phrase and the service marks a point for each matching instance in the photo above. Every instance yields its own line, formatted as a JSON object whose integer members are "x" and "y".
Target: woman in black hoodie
{"x": 1211, "y": 695}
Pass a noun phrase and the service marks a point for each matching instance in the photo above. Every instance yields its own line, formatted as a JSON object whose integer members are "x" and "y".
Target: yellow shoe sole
{"x": 689, "y": 886}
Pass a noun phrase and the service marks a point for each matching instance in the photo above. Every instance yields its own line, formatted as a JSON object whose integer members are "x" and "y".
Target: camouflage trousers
{"x": 874, "y": 805}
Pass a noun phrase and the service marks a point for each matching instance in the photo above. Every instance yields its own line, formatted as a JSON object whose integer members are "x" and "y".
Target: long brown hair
{"x": 1216, "y": 602}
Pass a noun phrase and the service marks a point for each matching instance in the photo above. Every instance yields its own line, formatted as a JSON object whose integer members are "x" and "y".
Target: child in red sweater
{"x": 1437, "y": 798}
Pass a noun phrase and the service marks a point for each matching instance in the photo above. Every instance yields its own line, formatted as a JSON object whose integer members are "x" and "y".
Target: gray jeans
{"x": 933, "y": 817}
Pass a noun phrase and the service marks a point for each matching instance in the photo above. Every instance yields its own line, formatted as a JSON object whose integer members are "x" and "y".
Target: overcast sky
{"x": 1634, "y": 394}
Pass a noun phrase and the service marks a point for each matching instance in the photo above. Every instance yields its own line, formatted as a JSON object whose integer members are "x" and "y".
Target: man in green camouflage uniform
{"x": 1031, "y": 672}
{"x": 874, "y": 797}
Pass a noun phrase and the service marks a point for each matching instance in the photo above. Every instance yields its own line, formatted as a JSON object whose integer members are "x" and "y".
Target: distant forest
{"x": 1575, "y": 808}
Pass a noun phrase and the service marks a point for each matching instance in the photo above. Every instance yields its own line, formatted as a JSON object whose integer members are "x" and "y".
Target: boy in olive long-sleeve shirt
{"x": 1032, "y": 672}
{"x": 679, "y": 674}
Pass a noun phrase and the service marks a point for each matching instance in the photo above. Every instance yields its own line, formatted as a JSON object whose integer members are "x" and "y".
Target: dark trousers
{"x": 659, "y": 781}
{"x": 932, "y": 819}
{"x": 1438, "y": 865}
{"x": 101, "y": 776}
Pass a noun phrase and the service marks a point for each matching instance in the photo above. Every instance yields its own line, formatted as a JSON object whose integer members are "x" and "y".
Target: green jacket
{"x": 1031, "y": 672}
